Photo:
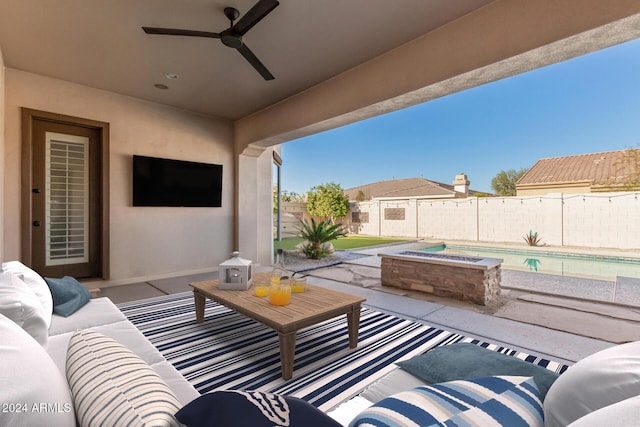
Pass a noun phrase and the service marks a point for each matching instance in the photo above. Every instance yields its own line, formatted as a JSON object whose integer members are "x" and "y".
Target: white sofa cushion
{"x": 112, "y": 386}
{"x": 602, "y": 379}
{"x": 101, "y": 315}
{"x": 123, "y": 332}
{"x": 36, "y": 283}
{"x": 347, "y": 411}
{"x": 20, "y": 304}
{"x": 33, "y": 390}
{"x": 394, "y": 382}
{"x": 622, "y": 414}
{"x": 183, "y": 390}
{"x": 98, "y": 312}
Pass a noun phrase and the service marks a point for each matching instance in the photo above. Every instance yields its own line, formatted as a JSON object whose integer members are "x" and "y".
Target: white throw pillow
{"x": 36, "y": 283}
{"x": 602, "y": 379}
{"x": 20, "y": 304}
{"x": 33, "y": 391}
{"x": 112, "y": 386}
{"x": 621, "y": 414}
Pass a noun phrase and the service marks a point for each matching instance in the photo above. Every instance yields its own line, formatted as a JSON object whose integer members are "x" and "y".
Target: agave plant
{"x": 532, "y": 238}
{"x": 317, "y": 235}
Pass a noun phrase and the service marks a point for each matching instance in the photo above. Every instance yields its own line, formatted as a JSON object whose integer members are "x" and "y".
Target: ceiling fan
{"x": 232, "y": 36}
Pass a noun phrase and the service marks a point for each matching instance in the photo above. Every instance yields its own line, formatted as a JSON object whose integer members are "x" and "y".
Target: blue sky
{"x": 583, "y": 105}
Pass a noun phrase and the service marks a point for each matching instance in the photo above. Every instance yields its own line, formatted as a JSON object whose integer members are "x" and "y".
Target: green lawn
{"x": 343, "y": 243}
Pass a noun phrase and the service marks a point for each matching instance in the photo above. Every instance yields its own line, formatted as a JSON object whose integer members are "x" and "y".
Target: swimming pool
{"x": 565, "y": 264}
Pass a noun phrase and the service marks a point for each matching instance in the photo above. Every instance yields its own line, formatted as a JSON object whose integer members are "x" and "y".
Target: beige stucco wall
{"x": 145, "y": 242}
{"x": 2, "y": 165}
{"x": 600, "y": 220}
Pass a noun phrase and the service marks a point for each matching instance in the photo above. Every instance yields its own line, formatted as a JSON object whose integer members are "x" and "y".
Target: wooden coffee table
{"x": 314, "y": 305}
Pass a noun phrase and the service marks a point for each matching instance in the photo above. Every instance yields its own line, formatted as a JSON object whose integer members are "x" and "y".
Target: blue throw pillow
{"x": 463, "y": 360}
{"x": 252, "y": 408}
{"x": 68, "y": 295}
{"x": 480, "y": 402}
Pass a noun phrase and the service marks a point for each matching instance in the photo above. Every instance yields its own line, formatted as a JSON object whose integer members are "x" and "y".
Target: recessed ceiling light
{"x": 171, "y": 76}
{"x": 161, "y": 86}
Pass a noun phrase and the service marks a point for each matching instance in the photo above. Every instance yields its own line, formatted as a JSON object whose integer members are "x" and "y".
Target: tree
{"x": 285, "y": 196}
{"x": 275, "y": 199}
{"x": 504, "y": 183}
{"x": 292, "y": 196}
{"x": 328, "y": 201}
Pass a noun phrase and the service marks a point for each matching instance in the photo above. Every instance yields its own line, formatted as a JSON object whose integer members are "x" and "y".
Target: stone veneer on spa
{"x": 465, "y": 278}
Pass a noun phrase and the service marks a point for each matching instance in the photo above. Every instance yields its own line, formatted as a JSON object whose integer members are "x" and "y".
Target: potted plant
{"x": 532, "y": 239}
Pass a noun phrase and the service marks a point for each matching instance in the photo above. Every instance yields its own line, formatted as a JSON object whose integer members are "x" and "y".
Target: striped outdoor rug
{"x": 231, "y": 351}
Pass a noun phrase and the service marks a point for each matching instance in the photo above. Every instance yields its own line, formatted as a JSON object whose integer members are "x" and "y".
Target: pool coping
{"x": 531, "y": 250}
{"x": 630, "y": 254}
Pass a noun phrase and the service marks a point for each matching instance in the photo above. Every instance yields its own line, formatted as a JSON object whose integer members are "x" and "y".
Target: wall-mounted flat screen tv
{"x": 166, "y": 182}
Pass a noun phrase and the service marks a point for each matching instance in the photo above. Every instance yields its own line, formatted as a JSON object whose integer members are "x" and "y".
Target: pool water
{"x": 594, "y": 267}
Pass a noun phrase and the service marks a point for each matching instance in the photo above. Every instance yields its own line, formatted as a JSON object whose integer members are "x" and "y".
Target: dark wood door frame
{"x": 28, "y": 116}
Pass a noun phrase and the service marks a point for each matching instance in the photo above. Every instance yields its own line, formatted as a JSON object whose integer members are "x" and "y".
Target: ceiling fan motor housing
{"x": 228, "y": 38}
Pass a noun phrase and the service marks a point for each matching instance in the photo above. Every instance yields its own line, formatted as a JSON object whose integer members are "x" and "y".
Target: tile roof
{"x": 603, "y": 169}
{"x": 406, "y": 187}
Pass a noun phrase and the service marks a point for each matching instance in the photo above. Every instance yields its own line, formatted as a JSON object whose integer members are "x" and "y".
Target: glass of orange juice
{"x": 280, "y": 294}
{"x": 298, "y": 284}
{"x": 261, "y": 289}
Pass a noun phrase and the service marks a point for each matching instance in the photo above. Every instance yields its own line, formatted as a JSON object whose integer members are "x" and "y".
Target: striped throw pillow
{"x": 112, "y": 386}
{"x": 483, "y": 402}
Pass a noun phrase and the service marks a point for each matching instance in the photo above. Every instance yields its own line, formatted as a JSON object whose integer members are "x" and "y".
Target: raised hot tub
{"x": 467, "y": 278}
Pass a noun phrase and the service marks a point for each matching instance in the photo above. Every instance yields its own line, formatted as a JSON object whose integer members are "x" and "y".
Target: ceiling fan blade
{"x": 176, "y": 32}
{"x": 254, "y": 15}
{"x": 255, "y": 62}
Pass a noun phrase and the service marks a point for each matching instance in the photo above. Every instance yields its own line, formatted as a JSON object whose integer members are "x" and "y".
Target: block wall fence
{"x": 602, "y": 220}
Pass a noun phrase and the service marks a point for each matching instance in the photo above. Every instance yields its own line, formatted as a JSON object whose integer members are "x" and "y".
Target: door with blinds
{"x": 65, "y": 200}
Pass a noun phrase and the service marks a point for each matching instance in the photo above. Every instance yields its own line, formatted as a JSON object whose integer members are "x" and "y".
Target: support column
{"x": 254, "y": 212}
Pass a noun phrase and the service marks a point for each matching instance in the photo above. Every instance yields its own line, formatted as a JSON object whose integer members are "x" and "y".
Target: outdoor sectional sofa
{"x": 94, "y": 367}
{"x": 600, "y": 390}
{"x": 34, "y": 388}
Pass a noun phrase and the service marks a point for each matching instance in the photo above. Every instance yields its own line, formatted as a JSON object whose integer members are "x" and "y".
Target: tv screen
{"x": 165, "y": 182}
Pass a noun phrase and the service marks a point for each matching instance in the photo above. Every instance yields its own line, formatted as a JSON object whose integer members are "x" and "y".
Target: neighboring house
{"x": 582, "y": 173}
{"x": 411, "y": 188}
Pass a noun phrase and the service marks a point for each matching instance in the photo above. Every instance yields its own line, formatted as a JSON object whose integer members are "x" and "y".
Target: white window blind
{"x": 67, "y": 199}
